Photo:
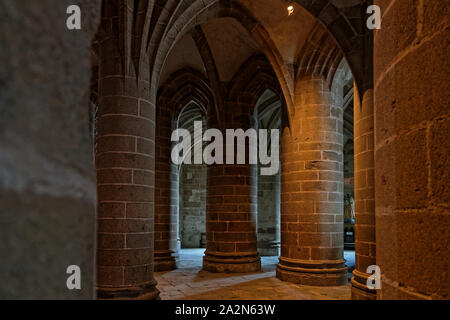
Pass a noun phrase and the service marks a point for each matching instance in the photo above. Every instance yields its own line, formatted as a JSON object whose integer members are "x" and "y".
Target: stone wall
{"x": 47, "y": 181}
{"x": 269, "y": 215}
{"x": 412, "y": 124}
{"x": 192, "y": 205}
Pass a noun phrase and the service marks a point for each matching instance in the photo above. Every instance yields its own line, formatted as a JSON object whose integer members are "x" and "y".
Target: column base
{"x": 359, "y": 287}
{"x": 322, "y": 273}
{"x": 165, "y": 260}
{"x": 232, "y": 262}
{"x": 143, "y": 292}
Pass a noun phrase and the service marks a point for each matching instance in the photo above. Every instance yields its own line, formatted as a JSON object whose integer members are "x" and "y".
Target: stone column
{"x": 365, "y": 253}
{"x": 412, "y": 125}
{"x": 166, "y": 194}
{"x": 231, "y": 205}
{"x": 125, "y": 175}
{"x": 312, "y": 189}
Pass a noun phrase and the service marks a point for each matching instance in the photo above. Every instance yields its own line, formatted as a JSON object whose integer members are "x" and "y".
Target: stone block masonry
{"x": 312, "y": 186}
{"x": 411, "y": 150}
{"x": 125, "y": 163}
{"x": 192, "y": 205}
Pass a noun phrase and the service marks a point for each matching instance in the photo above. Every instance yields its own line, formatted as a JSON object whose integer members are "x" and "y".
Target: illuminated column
{"x": 312, "y": 189}
{"x": 365, "y": 246}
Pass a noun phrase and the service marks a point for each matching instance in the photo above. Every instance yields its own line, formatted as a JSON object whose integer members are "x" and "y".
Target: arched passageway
{"x": 248, "y": 214}
{"x": 242, "y": 49}
{"x": 192, "y": 187}
{"x": 212, "y": 50}
{"x": 225, "y": 64}
{"x": 268, "y": 116}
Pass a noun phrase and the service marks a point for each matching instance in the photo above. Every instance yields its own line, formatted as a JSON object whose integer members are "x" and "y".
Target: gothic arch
{"x": 151, "y": 28}
{"x": 255, "y": 77}
{"x": 319, "y": 56}
{"x": 332, "y": 20}
{"x": 184, "y": 87}
{"x": 224, "y": 9}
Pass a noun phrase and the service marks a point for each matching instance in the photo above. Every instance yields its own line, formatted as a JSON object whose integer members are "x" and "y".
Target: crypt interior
{"x": 363, "y": 118}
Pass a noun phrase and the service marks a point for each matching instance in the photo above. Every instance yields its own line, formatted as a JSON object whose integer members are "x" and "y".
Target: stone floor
{"x": 190, "y": 282}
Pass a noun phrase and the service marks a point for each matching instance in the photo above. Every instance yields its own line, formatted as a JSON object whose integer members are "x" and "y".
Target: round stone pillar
{"x": 125, "y": 176}
{"x": 412, "y": 124}
{"x": 312, "y": 189}
{"x": 231, "y": 205}
{"x": 166, "y": 194}
{"x": 365, "y": 253}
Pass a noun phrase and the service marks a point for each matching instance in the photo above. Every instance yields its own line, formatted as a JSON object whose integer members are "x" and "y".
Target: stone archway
{"x": 180, "y": 90}
{"x": 49, "y": 176}
{"x": 159, "y": 42}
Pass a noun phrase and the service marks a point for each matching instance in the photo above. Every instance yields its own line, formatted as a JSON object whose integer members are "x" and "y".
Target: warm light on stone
{"x": 348, "y": 100}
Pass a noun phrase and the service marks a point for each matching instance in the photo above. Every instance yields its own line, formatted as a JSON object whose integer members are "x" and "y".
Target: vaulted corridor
{"x": 290, "y": 140}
